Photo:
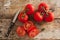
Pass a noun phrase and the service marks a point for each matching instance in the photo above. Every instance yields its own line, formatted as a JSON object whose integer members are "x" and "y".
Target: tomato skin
{"x": 43, "y": 4}
{"x": 38, "y": 17}
{"x": 29, "y": 9}
{"x": 22, "y": 17}
{"x": 33, "y": 33}
{"x": 27, "y": 25}
{"x": 49, "y": 17}
{"x": 20, "y": 31}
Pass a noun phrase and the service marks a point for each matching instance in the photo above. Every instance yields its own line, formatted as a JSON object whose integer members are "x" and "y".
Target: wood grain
{"x": 10, "y": 10}
{"x": 52, "y": 29}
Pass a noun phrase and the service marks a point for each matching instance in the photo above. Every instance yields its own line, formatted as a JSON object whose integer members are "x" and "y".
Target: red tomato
{"x": 49, "y": 17}
{"x": 27, "y": 25}
{"x": 20, "y": 31}
{"x": 43, "y": 7}
{"x": 33, "y": 33}
{"x": 23, "y": 17}
{"x": 38, "y": 17}
{"x": 31, "y": 28}
{"x": 29, "y": 9}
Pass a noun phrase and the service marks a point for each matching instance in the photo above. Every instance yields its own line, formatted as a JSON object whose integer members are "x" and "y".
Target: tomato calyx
{"x": 46, "y": 12}
{"x": 26, "y": 10}
{"x": 23, "y": 15}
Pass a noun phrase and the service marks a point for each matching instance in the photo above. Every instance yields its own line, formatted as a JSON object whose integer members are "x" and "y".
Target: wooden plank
{"x": 9, "y": 10}
{"x": 52, "y": 27}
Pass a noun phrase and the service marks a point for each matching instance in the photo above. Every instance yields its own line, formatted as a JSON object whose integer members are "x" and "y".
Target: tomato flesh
{"x": 27, "y": 25}
{"x": 20, "y": 31}
{"x": 33, "y": 33}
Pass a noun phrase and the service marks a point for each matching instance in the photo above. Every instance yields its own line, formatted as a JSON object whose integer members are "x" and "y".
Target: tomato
{"x": 49, "y": 17}
{"x": 29, "y": 9}
{"x": 20, "y": 31}
{"x": 27, "y": 25}
{"x": 43, "y": 7}
{"x": 31, "y": 28}
{"x": 38, "y": 17}
{"x": 33, "y": 33}
{"x": 23, "y": 17}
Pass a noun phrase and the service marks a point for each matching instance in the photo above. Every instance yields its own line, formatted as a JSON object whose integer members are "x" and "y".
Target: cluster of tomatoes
{"x": 41, "y": 14}
{"x": 28, "y": 28}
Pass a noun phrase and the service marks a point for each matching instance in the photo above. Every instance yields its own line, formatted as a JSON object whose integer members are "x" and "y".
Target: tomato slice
{"x": 20, "y": 31}
{"x": 27, "y": 25}
{"x": 31, "y": 28}
{"x": 33, "y": 33}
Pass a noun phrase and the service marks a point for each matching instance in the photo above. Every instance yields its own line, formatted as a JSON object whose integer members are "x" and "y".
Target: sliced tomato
{"x": 20, "y": 31}
{"x": 27, "y": 25}
{"x": 33, "y": 33}
{"x": 31, "y": 28}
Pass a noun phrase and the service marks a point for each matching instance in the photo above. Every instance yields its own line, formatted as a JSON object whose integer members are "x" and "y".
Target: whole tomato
{"x": 38, "y": 17}
{"x": 22, "y": 17}
{"x": 49, "y": 17}
{"x": 33, "y": 33}
{"x": 29, "y": 9}
{"x": 28, "y": 25}
{"x": 43, "y": 7}
{"x": 20, "y": 31}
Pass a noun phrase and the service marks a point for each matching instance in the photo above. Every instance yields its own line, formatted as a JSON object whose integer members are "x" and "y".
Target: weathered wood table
{"x": 9, "y": 7}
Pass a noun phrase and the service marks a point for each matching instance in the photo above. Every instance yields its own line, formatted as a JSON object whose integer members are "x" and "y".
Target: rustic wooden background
{"x": 9, "y": 7}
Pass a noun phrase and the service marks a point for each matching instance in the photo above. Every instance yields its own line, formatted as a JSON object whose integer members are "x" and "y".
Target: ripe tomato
{"x": 23, "y": 17}
{"x": 20, "y": 31}
{"x": 27, "y": 25}
{"x": 38, "y": 17}
{"x": 33, "y": 33}
{"x": 31, "y": 28}
{"x": 29, "y": 9}
{"x": 43, "y": 7}
{"x": 49, "y": 17}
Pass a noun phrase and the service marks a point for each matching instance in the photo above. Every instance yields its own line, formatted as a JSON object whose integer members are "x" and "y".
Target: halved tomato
{"x": 27, "y": 25}
{"x": 31, "y": 28}
{"x": 33, "y": 33}
{"x": 20, "y": 31}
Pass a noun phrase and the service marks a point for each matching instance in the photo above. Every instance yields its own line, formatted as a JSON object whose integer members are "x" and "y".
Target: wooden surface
{"x": 9, "y": 7}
